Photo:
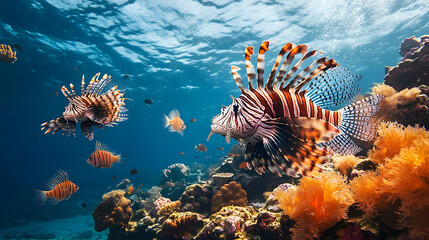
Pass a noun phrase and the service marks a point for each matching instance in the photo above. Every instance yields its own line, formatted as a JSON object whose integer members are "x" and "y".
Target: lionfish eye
{"x": 235, "y": 108}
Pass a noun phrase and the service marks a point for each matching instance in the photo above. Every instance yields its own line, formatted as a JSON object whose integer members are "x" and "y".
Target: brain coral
{"x": 229, "y": 194}
{"x": 316, "y": 204}
{"x": 113, "y": 211}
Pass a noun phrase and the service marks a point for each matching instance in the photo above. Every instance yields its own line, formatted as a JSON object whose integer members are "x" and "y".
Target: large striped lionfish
{"x": 7, "y": 54}
{"x": 285, "y": 125}
{"x": 91, "y": 108}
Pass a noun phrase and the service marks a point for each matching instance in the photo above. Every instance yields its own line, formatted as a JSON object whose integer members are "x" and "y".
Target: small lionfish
{"x": 285, "y": 125}
{"x": 91, "y": 108}
{"x": 60, "y": 188}
{"x": 102, "y": 158}
{"x": 7, "y": 54}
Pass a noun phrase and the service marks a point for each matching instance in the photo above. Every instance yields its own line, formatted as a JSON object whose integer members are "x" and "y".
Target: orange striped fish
{"x": 174, "y": 122}
{"x": 284, "y": 123}
{"x": 101, "y": 157}
{"x": 61, "y": 188}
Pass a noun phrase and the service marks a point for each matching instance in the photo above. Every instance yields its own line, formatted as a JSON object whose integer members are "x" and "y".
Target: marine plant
{"x": 316, "y": 204}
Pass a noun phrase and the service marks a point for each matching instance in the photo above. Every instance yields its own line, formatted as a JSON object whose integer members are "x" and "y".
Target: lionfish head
{"x": 235, "y": 121}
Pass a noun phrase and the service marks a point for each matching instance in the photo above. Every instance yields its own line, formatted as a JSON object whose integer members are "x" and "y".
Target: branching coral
{"x": 392, "y": 138}
{"x": 345, "y": 163}
{"x": 229, "y": 194}
{"x": 113, "y": 211}
{"x": 316, "y": 204}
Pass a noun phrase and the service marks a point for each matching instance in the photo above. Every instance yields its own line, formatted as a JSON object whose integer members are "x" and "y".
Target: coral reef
{"x": 169, "y": 208}
{"x": 174, "y": 173}
{"x": 183, "y": 225}
{"x": 229, "y": 194}
{"x": 408, "y": 107}
{"x": 316, "y": 204}
{"x": 398, "y": 192}
{"x": 158, "y": 204}
{"x": 222, "y": 178}
{"x": 197, "y": 198}
{"x": 113, "y": 211}
{"x": 345, "y": 164}
{"x": 392, "y": 138}
{"x": 228, "y": 223}
{"x": 413, "y": 71}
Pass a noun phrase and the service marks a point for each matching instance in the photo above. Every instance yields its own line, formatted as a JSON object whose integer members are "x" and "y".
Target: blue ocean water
{"x": 177, "y": 53}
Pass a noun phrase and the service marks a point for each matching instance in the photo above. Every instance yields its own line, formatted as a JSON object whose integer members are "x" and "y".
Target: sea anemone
{"x": 344, "y": 164}
{"x": 316, "y": 204}
{"x": 392, "y": 138}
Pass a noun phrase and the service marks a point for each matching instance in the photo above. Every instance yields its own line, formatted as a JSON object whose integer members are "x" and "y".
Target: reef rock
{"x": 113, "y": 211}
{"x": 183, "y": 225}
{"x": 413, "y": 71}
{"x": 197, "y": 198}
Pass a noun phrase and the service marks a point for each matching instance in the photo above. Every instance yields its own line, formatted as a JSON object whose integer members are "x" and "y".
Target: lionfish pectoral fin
{"x": 109, "y": 108}
{"x": 291, "y": 145}
{"x": 87, "y": 129}
{"x": 342, "y": 144}
{"x": 60, "y": 123}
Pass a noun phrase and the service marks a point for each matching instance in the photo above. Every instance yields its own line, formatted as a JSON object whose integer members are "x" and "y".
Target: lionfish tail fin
{"x": 108, "y": 109}
{"x": 356, "y": 118}
{"x": 40, "y": 197}
{"x": 60, "y": 123}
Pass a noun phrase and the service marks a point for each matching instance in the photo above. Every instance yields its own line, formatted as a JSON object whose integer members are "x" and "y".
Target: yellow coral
{"x": 316, "y": 204}
{"x": 169, "y": 208}
{"x": 345, "y": 163}
{"x": 392, "y": 138}
{"x": 114, "y": 194}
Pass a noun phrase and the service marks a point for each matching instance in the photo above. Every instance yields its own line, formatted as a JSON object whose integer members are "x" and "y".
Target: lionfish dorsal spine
{"x": 261, "y": 64}
{"x": 271, "y": 83}
{"x": 288, "y": 73}
{"x": 82, "y": 85}
{"x": 237, "y": 78}
{"x": 251, "y": 74}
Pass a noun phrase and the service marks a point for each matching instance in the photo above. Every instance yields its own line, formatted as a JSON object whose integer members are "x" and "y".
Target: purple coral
{"x": 158, "y": 204}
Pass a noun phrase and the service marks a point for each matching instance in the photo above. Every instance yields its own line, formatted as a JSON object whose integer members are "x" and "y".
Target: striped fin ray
{"x": 356, "y": 118}
{"x": 108, "y": 109}
{"x": 91, "y": 85}
{"x": 286, "y": 48}
{"x": 290, "y": 144}
{"x": 261, "y": 64}
{"x": 237, "y": 78}
{"x": 342, "y": 144}
{"x": 60, "y": 123}
{"x": 67, "y": 93}
{"x": 300, "y": 49}
{"x": 251, "y": 74}
{"x": 326, "y": 65}
{"x": 334, "y": 87}
{"x": 59, "y": 177}
{"x": 285, "y": 66}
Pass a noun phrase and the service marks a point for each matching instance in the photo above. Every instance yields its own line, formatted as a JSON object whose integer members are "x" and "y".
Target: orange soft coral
{"x": 401, "y": 184}
{"x": 392, "y": 138}
{"x": 345, "y": 163}
{"x": 230, "y": 194}
{"x": 316, "y": 204}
